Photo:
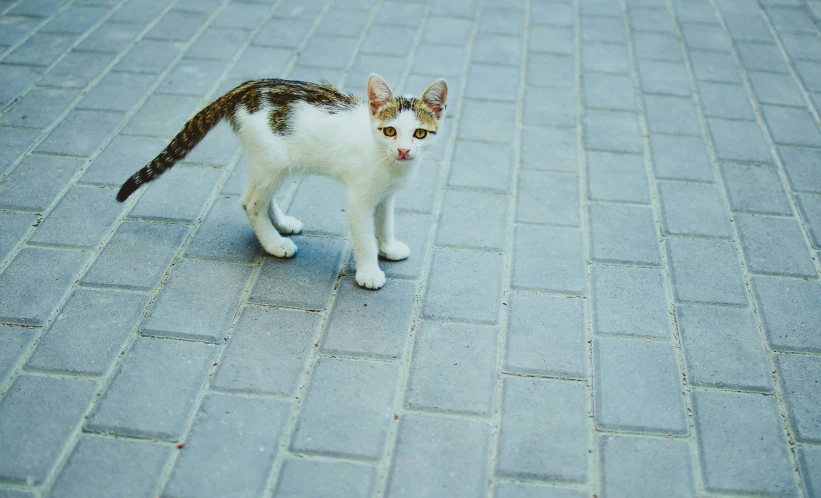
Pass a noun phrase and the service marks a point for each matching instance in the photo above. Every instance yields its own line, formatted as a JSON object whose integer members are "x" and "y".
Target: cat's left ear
{"x": 436, "y": 97}
{"x": 379, "y": 93}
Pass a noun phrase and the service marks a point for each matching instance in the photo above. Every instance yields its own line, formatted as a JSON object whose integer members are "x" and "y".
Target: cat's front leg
{"x": 389, "y": 247}
{"x": 361, "y": 215}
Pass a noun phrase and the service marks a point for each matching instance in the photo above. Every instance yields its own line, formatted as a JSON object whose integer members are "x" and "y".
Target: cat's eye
{"x": 389, "y": 131}
{"x": 420, "y": 133}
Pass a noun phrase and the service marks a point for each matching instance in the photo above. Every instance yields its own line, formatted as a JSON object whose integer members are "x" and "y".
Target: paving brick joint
{"x": 614, "y": 281}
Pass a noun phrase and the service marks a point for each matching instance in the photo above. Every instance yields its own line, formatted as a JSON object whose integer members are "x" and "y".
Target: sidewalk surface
{"x": 614, "y": 281}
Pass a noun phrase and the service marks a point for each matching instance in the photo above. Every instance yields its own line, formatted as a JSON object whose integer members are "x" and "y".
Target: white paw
{"x": 288, "y": 225}
{"x": 373, "y": 278}
{"x": 283, "y": 248}
{"x": 395, "y": 251}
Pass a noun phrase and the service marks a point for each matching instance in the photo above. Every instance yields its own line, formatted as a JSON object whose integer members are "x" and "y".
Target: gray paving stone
{"x": 602, "y": 29}
{"x": 224, "y": 43}
{"x": 81, "y": 219}
{"x": 15, "y": 79}
{"x": 680, "y": 158}
{"x": 195, "y": 78}
{"x": 436, "y": 456}
{"x": 117, "y": 92}
{"x": 319, "y": 203}
{"x": 791, "y": 126}
{"x": 32, "y": 290}
{"x": 798, "y": 376}
{"x": 597, "y": 8}
{"x": 790, "y": 20}
{"x": 497, "y": 49}
{"x": 444, "y": 61}
{"x": 701, "y": 12}
{"x": 644, "y": 467}
{"x": 521, "y": 490}
{"x": 550, "y": 150}
{"x": 15, "y": 227}
{"x": 761, "y": 57}
{"x": 17, "y": 342}
{"x": 38, "y": 108}
{"x": 121, "y": 158}
{"x": 789, "y": 310}
{"x": 89, "y": 333}
{"x": 630, "y": 302}
{"x": 110, "y": 37}
{"x": 605, "y": 58}
{"x": 705, "y": 37}
{"x": 162, "y": 116}
{"x": 729, "y": 425}
{"x": 225, "y": 235}
{"x": 481, "y": 165}
{"x": 774, "y": 246}
{"x": 810, "y": 462}
{"x": 178, "y": 195}
{"x": 139, "y": 11}
{"x": 339, "y": 22}
{"x": 543, "y": 433}
{"x": 243, "y": 16}
{"x": 623, "y": 234}
{"x": 191, "y": 307}
{"x": 94, "y": 469}
{"x": 453, "y": 369}
{"x": 379, "y": 331}
{"x": 693, "y": 209}
{"x": 149, "y": 56}
{"x": 326, "y": 51}
{"x": 706, "y": 271}
{"x": 447, "y": 30}
{"x": 722, "y": 100}
{"x": 809, "y": 73}
{"x": 76, "y": 70}
{"x": 755, "y": 189}
{"x": 402, "y": 39}
{"x": 413, "y": 229}
{"x": 36, "y": 181}
{"x": 231, "y": 447}
{"x": 464, "y": 286}
{"x": 549, "y": 107}
{"x": 655, "y": 20}
{"x": 492, "y": 82}
{"x": 810, "y": 207}
{"x": 16, "y": 28}
{"x": 548, "y": 259}
{"x": 551, "y": 70}
{"x": 546, "y": 198}
{"x": 612, "y": 131}
{"x": 551, "y": 13}
{"x": 152, "y": 393}
{"x": 801, "y": 166}
{"x": 722, "y": 348}
{"x": 268, "y": 351}
{"x": 748, "y": 28}
{"x": 31, "y": 405}
{"x": 217, "y": 149}
{"x": 177, "y": 25}
{"x": 629, "y": 374}
{"x": 714, "y": 66}
{"x": 473, "y": 220}
{"x": 14, "y": 142}
{"x": 738, "y": 140}
{"x": 347, "y": 409}
{"x": 557, "y": 325}
{"x": 735, "y": 8}
{"x": 669, "y": 78}
{"x": 303, "y": 282}
{"x": 609, "y": 91}
{"x": 616, "y": 178}
{"x": 549, "y": 39}
{"x": 323, "y": 479}
{"x": 779, "y": 89}
{"x": 657, "y": 46}
{"x": 76, "y": 19}
{"x": 137, "y": 256}
{"x": 37, "y": 9}
{"x": 81, "y": 133}
{"x": 673, "y": 115}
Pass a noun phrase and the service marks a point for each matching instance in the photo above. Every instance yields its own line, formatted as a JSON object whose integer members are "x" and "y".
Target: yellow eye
{"x": 389, "y": 131}
{"x": 420, "y": 133}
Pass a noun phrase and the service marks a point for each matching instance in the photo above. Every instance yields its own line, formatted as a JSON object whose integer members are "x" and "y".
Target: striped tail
{"x": 192, "y": 134}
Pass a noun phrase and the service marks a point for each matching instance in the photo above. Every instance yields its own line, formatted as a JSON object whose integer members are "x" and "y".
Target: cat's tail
{"x": 192, "y": 134}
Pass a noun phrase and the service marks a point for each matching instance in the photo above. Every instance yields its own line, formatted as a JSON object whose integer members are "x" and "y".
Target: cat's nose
{"x": 403, "y": 153}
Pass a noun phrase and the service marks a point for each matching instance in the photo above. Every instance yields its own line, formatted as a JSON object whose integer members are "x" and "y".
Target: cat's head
{"x": 405, "y": 126}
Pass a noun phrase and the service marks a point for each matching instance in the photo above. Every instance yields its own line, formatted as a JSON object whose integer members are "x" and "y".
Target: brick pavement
{"x": 613, "y": 290}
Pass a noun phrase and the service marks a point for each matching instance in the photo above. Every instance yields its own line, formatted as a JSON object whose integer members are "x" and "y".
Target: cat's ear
{"x": 436, "y": 97}
{"x": 379, "y": 93}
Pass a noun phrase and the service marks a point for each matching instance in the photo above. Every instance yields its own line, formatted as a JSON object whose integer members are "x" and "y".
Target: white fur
{"x": 347, "y": 146}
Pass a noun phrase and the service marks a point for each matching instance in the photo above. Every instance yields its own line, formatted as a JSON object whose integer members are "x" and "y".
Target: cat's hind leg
{"x": 264, "y": 180}
{"x": 286, "y": 225}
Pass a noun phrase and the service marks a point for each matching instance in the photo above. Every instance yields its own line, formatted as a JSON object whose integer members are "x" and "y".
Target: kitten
{"x": 292, "y": 127}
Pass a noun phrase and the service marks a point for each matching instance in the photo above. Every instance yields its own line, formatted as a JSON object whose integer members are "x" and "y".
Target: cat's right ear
{"x": 379, "y": 93}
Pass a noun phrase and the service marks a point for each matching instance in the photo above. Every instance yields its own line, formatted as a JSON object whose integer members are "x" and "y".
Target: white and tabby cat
{"x": 293, "y": 127}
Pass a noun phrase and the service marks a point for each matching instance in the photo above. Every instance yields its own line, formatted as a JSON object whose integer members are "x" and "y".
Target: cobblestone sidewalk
{"x": 614, "y": 281}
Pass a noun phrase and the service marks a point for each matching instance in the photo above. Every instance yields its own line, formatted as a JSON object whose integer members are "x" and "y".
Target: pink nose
{"x": 403, "y": 153}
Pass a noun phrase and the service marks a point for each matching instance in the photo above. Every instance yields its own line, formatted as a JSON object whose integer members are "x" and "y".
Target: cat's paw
{"x": 283, "y": 248}
{"x": 372, "y": 278}
{"x": 395, "y": 251}
{"x": 288, "y": 225}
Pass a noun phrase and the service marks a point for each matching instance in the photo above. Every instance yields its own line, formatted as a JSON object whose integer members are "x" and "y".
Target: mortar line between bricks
{"x": 45, "y": 21}
{"x": 739, "y": 253}
{"x": 665, "y": 257}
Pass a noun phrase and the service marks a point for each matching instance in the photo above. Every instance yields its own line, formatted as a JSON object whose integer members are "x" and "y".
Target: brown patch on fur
{"x": 398, "y": 104}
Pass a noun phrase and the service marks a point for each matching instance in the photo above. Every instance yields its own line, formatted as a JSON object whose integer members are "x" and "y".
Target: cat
{"x": 293, "y": 127}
